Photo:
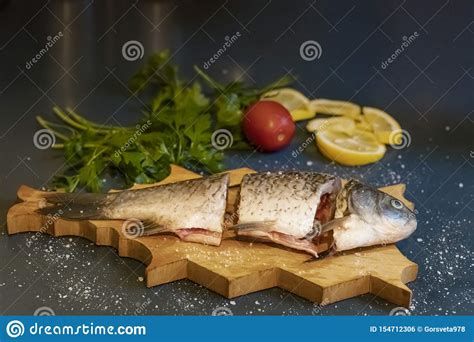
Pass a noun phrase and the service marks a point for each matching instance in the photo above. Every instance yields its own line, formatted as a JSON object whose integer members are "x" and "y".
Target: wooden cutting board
{"x": 236, "y": 267}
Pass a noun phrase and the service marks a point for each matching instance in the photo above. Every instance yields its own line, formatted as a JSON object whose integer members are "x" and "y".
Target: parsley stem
{"x": 210, "y": 81}
{"x": 48, "y": 125}
{"x": 84, "y": 121}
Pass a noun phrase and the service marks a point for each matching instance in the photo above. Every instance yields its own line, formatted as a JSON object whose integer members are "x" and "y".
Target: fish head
{"x": 375, "y": 206}
{"x": 370, "y": 217}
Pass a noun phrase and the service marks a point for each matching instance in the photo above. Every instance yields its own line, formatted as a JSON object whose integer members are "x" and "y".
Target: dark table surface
{"x": 429, "y": 87}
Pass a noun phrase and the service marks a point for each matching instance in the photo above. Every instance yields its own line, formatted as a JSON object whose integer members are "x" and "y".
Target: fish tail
{"x": 75, "y": 205}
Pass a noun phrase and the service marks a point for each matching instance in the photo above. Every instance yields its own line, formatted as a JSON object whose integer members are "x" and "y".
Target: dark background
{"x": 428, "y": 88}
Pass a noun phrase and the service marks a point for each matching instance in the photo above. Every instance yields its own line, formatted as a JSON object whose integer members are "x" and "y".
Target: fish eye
{"x": 396, "y": 204}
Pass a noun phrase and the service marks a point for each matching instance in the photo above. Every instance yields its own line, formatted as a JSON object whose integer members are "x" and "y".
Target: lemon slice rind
{"x": 383, "y": 124}
{"x": 293, "y": 100}
{"x": 333, "y": 107}
{"x": 346, "y": 156}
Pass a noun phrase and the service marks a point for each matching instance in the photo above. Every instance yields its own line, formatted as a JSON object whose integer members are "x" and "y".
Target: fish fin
{"x": 74, "y": 205}
{"x": 264, "y": 226}
{"x": 148, "y": 228}
{"x": 331, "y": 225}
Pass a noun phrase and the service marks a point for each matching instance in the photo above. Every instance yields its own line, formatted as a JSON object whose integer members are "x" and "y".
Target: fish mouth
{"x": 199, "y": 235}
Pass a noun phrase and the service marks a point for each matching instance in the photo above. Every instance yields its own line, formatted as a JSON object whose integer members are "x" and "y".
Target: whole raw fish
{"x": 293, "y": 209}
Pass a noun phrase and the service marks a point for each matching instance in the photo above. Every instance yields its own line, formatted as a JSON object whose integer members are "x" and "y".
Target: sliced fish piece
{"x": 288, "y": 208}
{"x": 193, "y": 209}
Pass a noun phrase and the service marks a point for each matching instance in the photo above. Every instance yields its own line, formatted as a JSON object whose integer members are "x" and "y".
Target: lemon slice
{"x": 350, "y": 148}
{"x": 333, "y": 107}
{"x": 338, "y": 123}
{"x": 362, "y": 123}
{"x": 296, "y": 103}
{"x": 302, "y": 114}
{"x": 382, "y": 124}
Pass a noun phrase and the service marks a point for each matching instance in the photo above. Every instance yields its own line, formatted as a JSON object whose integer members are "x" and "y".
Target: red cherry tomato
{"x": 268, "y": 125}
